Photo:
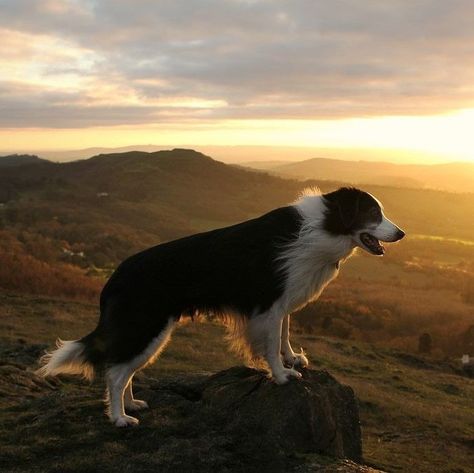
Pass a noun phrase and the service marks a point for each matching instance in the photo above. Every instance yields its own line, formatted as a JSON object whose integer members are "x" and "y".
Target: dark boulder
{"x": 249, "y": 417}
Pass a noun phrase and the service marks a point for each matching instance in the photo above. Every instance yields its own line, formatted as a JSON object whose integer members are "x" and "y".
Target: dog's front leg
{"x": 273, "y": 333}
{"x": 290, "y": 358}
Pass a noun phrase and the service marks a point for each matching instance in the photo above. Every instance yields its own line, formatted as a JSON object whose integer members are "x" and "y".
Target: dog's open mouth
{"x": 372, "y": 244}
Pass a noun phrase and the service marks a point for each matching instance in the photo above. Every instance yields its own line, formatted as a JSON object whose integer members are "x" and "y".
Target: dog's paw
{"x": 300, "y": 360}
{"x": 285, "y": 375}
{"x": 295, "y": 360}
{"x": 125, "y": 421}
{"x": 136, "y": 405}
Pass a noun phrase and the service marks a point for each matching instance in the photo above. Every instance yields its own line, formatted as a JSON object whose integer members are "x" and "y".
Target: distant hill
{"x": 14, "y": 160}
{"x": 112, "y": 205}
{"x": 457, "y": 177}
{"x": 263, "y": 165}
{"x": 251, "y": 153}
{"x": 85, "y": 153}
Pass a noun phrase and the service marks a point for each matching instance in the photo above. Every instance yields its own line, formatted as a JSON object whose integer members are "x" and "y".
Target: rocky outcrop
{"x": 236, "y": 420}
{"x": 262, "y": 422}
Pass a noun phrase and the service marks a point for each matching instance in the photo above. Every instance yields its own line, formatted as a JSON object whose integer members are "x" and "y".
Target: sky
{"x": 392, "y": 75}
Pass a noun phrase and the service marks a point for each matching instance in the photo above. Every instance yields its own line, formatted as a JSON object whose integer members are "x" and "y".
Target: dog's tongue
{"x": 372, "y": 243}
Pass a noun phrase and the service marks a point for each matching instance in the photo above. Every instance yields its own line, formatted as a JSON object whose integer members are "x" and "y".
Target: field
{"x": 417, "y": 413}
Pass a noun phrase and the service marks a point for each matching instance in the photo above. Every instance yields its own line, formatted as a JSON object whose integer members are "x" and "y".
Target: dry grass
{"x": 417, "y": 415}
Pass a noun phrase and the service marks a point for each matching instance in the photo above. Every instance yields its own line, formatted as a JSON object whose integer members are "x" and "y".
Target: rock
{"x": 313, "y": 415}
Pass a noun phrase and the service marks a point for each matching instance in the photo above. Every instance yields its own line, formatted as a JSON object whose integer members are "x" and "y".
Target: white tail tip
{"x": 68, "y": 358}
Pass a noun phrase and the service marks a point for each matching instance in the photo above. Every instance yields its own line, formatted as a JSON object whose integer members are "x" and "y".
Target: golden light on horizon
{"x": 437, "y": 138}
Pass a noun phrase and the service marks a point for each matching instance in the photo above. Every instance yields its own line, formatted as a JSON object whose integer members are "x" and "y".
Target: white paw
{"x": 136, "y": 405}
{"x": 125, "y": 421}
{"x": 284, "y": 376}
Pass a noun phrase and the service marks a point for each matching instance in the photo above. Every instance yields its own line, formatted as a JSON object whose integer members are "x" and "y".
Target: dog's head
{"x": 358, "y": 214}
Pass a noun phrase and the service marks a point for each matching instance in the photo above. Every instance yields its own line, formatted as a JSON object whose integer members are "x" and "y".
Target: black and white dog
{"x": 252, "y": 275}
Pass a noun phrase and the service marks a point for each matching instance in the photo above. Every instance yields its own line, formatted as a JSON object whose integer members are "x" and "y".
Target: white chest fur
{"x": 304, "y": 288}
{"x": 312, "y": 260}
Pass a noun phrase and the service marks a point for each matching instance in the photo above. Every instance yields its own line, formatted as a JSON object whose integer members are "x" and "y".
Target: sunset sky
{"x": 392, "y": 75}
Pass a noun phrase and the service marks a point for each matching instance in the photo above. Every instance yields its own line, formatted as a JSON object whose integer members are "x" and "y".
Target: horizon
{"x": 308, "y": 76}
{"x": 243, "y": 154}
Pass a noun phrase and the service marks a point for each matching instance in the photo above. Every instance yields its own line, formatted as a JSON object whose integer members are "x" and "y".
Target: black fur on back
{"x": 229, "y": 268}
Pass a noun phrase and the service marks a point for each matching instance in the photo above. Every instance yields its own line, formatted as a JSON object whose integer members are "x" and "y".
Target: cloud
{"x": 79, "y": 63}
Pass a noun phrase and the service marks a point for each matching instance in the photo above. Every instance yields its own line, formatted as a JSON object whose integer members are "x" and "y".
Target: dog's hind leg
{"x": 132, "y": 404}
{"x": 290, "y": 358}
{"x": 119, "y": 378}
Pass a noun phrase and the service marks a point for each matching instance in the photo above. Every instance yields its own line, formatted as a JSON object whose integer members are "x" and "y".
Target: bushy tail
{"x": 68, "y": 358}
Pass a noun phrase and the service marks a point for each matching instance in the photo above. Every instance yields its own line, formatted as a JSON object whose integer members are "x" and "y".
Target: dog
{"x": 252, "y": 275}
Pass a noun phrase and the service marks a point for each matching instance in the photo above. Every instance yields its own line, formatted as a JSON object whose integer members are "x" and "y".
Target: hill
{"x": 456, "y": 177}
{"x": 86, "y": 153}
{"x": 167, "y": 194}
{"x": 256, "y": 153}
{"x": 143, "y": 197}
{"x": 14, "y": 160}
{"x": 64, "y": 227}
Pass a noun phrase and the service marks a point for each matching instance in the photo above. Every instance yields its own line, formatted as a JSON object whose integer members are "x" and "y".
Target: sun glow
{"x": 416, "y": 138}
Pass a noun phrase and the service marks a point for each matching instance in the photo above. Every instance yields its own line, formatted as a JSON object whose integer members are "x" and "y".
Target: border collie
{"x": 251, "y": 275}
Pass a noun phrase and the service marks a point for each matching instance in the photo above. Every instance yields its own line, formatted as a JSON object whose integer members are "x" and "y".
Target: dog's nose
{"x": 400, "y": 234}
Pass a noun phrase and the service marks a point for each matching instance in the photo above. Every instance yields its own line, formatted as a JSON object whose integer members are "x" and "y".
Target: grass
{"x": 413, "y": 419}
{"x": 417, "y": 415}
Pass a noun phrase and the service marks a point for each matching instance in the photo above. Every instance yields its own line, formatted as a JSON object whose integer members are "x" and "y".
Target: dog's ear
{"x": 344, "y": 205}
{"x": 348, "y": 205}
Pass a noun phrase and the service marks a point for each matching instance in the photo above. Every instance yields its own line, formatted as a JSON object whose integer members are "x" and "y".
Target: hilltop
{"x": 14, "y": 160}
